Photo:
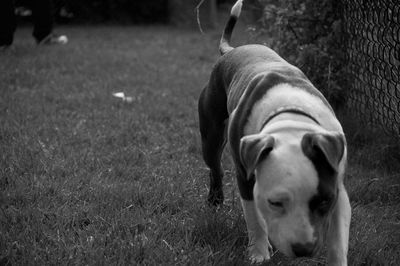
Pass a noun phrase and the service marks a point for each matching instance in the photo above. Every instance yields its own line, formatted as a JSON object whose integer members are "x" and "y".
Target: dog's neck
{"x": 293, "y": 115}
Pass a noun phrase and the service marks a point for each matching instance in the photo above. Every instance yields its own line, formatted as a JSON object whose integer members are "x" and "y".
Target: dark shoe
{"x": 53, "y": 39}
{"x": 4, "y": 47}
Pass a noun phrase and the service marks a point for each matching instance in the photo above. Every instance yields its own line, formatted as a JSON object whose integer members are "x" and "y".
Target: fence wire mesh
{"x": 373, "y": 47}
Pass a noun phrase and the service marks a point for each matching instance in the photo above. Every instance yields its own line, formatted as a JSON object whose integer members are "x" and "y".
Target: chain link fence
{"x": 373, "y": 51}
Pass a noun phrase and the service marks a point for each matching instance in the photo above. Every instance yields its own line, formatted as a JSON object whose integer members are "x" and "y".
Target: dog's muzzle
{"x": 304, "y": 250}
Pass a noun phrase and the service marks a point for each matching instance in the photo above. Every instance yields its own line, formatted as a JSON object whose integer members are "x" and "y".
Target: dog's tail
{"x": 224, "y": 45}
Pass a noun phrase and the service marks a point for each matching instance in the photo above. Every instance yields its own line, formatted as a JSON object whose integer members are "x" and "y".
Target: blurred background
{"x": 178, "y": 12}
{"x": 338, "y": 44}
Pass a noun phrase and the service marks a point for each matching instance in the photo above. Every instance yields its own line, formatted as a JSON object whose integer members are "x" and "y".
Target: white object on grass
{"x": 124, "y": 98}
{"x": 63, "y": 39}
{"x": 119, "y": 95}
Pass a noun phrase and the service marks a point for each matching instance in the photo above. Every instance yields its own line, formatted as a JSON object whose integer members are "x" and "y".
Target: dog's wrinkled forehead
{"x": 290, "y": 169}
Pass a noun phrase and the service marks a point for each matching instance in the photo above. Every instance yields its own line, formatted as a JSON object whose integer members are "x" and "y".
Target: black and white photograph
{"x": 200, "y": 132}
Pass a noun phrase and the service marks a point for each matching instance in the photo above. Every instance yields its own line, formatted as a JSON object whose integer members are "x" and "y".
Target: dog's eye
{"x": 324, "y": 207}
{"x": 324, "y": 204}
{"x": 321, "y": 204}
{"x": 275, "y": 204}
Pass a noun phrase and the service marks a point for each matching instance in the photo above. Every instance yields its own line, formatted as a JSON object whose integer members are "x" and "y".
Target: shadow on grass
{"x": 222, "y": 232}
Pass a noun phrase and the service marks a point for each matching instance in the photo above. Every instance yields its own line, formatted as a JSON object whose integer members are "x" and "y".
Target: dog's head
{"x": 296, "y": 185}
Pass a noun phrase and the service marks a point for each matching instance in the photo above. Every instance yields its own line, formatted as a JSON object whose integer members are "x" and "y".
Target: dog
{"x": 288, "y": 147}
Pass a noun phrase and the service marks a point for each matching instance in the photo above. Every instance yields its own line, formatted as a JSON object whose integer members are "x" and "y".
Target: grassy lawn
{"x": 88, "y": 179}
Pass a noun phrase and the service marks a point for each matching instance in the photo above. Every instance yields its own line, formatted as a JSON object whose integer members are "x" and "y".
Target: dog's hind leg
{"x": 212, "y": 117}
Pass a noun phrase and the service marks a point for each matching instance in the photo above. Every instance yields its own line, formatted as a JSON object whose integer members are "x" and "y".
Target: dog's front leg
{"x": 338, "y": 232}
{"x": 259, "y": 246}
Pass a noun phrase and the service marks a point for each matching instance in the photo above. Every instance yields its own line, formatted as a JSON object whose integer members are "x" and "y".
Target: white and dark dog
{"x": 288, "y": 147}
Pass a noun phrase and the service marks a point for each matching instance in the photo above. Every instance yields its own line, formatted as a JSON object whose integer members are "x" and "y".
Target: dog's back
{"x": 253, "y": 64}
{"x": 250, "y": 64}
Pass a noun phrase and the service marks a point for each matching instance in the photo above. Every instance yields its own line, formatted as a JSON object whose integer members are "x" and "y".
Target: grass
{"x": 89, "y": 179}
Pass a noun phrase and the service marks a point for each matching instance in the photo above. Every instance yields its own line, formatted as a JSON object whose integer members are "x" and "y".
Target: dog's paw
{"x": 258, "y": 258}
{"x": 260, "y": 252}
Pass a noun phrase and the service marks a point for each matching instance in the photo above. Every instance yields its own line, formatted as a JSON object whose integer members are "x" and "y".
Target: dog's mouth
{"x": 301, "y": 252}
{"x": 309, "y": 254}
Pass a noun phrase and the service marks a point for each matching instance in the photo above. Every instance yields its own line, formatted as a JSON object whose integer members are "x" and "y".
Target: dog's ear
{"x": 324, "y": 148}
{"x": 253, "y": 148}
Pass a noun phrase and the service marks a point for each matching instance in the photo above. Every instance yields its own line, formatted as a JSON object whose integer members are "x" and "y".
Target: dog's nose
{"x": 303, "y": 250}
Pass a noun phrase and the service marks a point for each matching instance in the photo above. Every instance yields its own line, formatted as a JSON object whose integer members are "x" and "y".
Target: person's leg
{"x": 42, "y": 11}
{"x": 7, "y": 22}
